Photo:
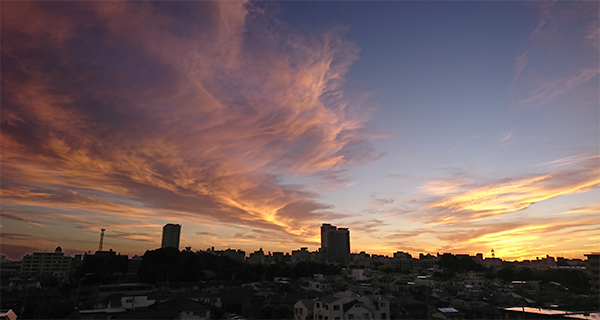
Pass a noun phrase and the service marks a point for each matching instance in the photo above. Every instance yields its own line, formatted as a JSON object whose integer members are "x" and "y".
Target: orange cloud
{"x": 173, "y": 118}
{"x": 458, "y": 201}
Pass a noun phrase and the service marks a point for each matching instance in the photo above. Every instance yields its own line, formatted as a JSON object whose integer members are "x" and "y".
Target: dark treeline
{"x": 169, "y": 264}
{"x": 576, "y": 280}
{"x": 455, "y": 264}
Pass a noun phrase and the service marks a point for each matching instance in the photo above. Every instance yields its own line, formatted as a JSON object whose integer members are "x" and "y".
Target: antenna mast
{"x": 101, "y": 239}
{"x": 493, "y": 253}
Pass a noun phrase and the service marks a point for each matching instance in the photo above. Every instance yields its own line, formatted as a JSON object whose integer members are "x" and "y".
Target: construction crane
{"x": 101, "y": 239}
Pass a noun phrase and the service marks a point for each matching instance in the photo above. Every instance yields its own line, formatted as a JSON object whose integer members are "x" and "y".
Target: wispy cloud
{"x": 19, "y": 218}
{"x": 506, "y": 138}
{"x": 560, "y": 25}
{"x": 573, "y": 160}
{"x": 458, "y": 201}
{"x": 547, "y": 92}
{"x": 520, "y": 64}
{"x": 173, "y": 118}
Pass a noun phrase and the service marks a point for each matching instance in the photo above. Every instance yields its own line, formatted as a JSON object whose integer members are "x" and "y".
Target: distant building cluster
{"x": 365, "y": 286}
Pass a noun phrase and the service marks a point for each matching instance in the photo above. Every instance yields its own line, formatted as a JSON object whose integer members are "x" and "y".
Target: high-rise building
{"x": 325, "y": 229}
{"x": 170, "y": 236}
{"x": 335, "y": 243}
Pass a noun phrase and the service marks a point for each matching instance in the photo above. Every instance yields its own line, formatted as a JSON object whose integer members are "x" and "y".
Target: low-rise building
{"x": 330, "y": 308}
{"x": 474, "y": 280}
{"x": 355, "y": 310}
{"x": 379, "y": 306}
{"x": 257, "y": 257}
{"x": 300, "y": 255}
{"x": 304, "y": 309}
{"x": 318, "y": 285}
{"x": 592, "y": 265}
{"x": 55, "y": 263}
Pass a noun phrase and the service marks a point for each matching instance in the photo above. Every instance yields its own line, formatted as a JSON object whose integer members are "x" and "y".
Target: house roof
{"x": 159, "y": 295}
{"x": 374, "y": 298}
{"x": 350, "y": 304}
{"x": 447, "y": 310}
{"x": 180, "y": 304}
{"x": 329, "y": 299}
{"x": 347, "y": 293}
{"x": 308, "y": 303}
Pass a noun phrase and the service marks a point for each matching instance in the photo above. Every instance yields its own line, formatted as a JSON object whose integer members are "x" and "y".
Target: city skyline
{"x": 171, "y": 233}
{"x": 423, "y": 127}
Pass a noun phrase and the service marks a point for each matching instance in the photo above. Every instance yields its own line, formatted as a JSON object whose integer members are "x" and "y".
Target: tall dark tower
{"x": 326, "y": 228}
{"x": 101, "y": 239}
{"x": 335, "y": 243}
{"x": 170, "y": 236}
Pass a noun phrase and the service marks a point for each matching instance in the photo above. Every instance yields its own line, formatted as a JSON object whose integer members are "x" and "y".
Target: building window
{"x": 366, "y": 315}
{"x": 382, "y": 304}
{"x": 350, "y": 316}
{"x": 326, "y": 307}
{"x": 383, "y": 316}
{"x": 336, "y": 307}
{"x": 318, "y": 305}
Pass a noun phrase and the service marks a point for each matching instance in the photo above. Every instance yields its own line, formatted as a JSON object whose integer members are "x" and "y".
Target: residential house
{"x": 355, "y": 310}
{"x": 303, "y": 309}
{"x": 329, "y": 308}
{"x": 379, "y": 305}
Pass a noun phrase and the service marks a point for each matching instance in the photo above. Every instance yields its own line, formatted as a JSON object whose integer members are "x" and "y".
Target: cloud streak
{"x": 456, "y": 200}
{"x": 196, "y": 111}
{"x": 560, "y": 25}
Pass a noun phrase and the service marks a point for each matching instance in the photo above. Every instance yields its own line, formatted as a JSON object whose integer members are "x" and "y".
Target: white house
{"x": 329, "y": 308}
{"x": 318, "y": 285}
{"x": 358, "y": 274}
{"x": 303, "y": 309}
{"x": 379, "y": 306}
{"x": 132, "y": 302}
{"x": 355, "y": 310}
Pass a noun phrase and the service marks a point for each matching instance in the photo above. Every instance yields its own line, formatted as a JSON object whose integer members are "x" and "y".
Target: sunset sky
{"x": 421, "y": 126}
